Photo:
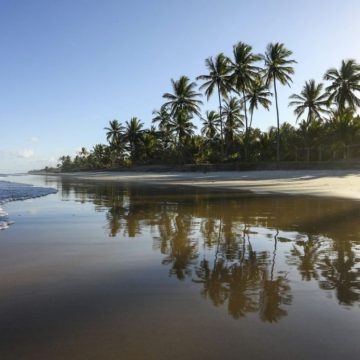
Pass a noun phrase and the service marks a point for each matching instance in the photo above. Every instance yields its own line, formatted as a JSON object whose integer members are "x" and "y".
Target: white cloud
{"x": 34, "y": 140}
{"x": 27, "y": 153}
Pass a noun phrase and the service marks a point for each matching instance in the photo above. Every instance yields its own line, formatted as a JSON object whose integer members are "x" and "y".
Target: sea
{"x": 15, "y": 191}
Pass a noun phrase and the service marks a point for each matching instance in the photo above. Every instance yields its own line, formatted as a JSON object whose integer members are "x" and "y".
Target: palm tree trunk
{"x": 278, "y": 125}
{"x": 246, "y": 125}
{"x": 251, "y": 118}
{"x": 218, "y": 244}
{"x": 178, "y": 148}
{"x": 274, "y": 254}
{"x": 221, "y": 123}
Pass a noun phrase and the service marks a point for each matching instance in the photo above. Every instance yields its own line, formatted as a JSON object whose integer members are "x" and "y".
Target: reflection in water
{"x": 305, "y": 254}
{"x": 243, "y": 251}
{"x": 340, "y": 271}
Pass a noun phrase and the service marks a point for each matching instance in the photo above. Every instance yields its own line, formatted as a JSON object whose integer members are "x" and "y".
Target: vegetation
{"x": 277, "y": 68}
{"x": 328, "y": 124}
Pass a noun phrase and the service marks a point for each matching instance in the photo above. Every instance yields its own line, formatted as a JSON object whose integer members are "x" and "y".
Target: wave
{"x": 10, "y": 191}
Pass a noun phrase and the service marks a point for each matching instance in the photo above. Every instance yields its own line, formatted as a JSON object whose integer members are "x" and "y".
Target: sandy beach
{"x": 333, "y": 183}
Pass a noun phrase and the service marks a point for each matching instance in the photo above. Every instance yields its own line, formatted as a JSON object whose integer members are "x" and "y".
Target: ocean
{"x": 13, "y": 191}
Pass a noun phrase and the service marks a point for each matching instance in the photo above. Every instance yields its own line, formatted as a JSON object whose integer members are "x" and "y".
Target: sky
{"x": 68, "y": 67}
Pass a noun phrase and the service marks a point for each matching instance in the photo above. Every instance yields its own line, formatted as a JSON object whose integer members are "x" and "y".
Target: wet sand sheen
{"x": 112, "y": 271}
{"x": 325, "y": 183}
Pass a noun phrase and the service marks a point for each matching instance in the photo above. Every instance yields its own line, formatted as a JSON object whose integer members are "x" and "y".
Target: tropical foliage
{"x": 328, "y": 126}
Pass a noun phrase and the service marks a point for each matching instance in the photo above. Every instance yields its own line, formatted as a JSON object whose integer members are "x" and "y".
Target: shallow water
{"x": 15, "y": 191}
{"x": 123, "y": 272}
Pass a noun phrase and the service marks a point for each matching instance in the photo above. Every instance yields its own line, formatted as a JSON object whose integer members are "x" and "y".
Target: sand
{"x": 333, "y": 183}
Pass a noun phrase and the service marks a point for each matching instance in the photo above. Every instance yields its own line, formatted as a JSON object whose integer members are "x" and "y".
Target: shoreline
{"x": 325, "y": 183}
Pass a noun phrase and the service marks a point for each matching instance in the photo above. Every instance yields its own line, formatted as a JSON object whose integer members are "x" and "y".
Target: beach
{"x": 112, "y": 265}
{"x": 328, "y": 183}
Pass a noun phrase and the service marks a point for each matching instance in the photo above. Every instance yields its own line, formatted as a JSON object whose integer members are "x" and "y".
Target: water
{"x": 14, "y": 191}
{"x": 102, "y": 271}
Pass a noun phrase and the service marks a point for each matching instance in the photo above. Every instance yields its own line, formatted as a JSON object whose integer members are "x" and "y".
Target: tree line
{"x": 242, "y": 83}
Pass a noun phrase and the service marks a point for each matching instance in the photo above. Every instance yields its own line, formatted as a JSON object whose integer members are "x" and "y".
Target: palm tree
{"x": 99, "y": 149}
{"x": 133, "y": 135}
{"x": 102, "y": 154}
{"x": 150, "y": 142}
{"x": 344, "y": 83}
{"x": 243, "y": 73}
{"x": 218, "y": 77}
{"x": 184, "y": 98}
{"x": 83, "y": 152}
{"x": 278, "y": 67}
{"x": 233, "y": 116}
{"x": 162, "y": 117}
{"x": 343, "y": 125}
{"x": 114, "y": 131}
{"x": 311, "y": 99}
{"x": 182, "y": 126}
{"x": 257, "y": 94}
{"x": 210, "y": 124}
{"x": 267, "y": 141}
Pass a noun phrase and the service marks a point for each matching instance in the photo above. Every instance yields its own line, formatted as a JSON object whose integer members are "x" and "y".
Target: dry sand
{"x": 334, "y": 183}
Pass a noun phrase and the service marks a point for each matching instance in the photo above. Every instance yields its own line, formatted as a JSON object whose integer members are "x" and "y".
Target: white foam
{"x": 3, "y": 225}
{"x": 10, "y": 191}
{"x": 3, "y": 213}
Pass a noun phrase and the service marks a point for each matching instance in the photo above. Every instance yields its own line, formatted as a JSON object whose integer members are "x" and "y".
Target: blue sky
{"x": 68, "y": 67}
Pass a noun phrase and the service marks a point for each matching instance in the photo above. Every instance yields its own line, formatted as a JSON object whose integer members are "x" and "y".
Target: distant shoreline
{"x": 329, "y": 183}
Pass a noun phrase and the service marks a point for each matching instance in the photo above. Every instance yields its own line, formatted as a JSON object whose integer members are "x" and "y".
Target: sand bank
{"x": 334, "y": 183}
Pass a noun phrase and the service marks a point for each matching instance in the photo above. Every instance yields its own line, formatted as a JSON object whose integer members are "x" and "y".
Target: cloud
{"x": 34, "y": 140}
{"x": 27, "y": 153}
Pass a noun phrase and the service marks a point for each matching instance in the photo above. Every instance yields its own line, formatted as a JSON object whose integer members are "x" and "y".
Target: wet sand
{"x": 333, "y": 183}
{"x": 107, "y": 270}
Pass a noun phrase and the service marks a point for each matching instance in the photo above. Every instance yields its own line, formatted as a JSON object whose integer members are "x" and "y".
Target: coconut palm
{"x": 210, "y": 124}
{"x": 278, "y": 68}
{"x": 182, "y": 126}
{"x": 218, "y": 78}
{"x": 99, "y": 152}
{"x": 257, "y": 94}
{"x": 311, "y": 99}
{"x": 101, "y": 155}
{"x": 308, "y": 133}
{"x": 233, "y": 119}
{"x": 133, "y": 135}
{"x": 343, "y": 126}
{"x": 150, "y": 143}
{"x": 345, "y": 82}
{"x": 267, "y": 141}
{"x": 162, "y": 117}
{"x": 83, "y": 153}
{"x": 243, "y": 72}
{"x": 184, "y": 98}
{"x": 114, "y": 131}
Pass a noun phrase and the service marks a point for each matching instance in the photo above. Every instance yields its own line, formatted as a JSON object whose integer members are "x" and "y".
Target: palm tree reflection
{"x": 240, "y": 279}
{"x": 181, "y": 252}
{"x": 213, "y": 241}
{"x": 274, "y": 292}
{"x": 305, "y": 255}
{"x": 340, "y": 272}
